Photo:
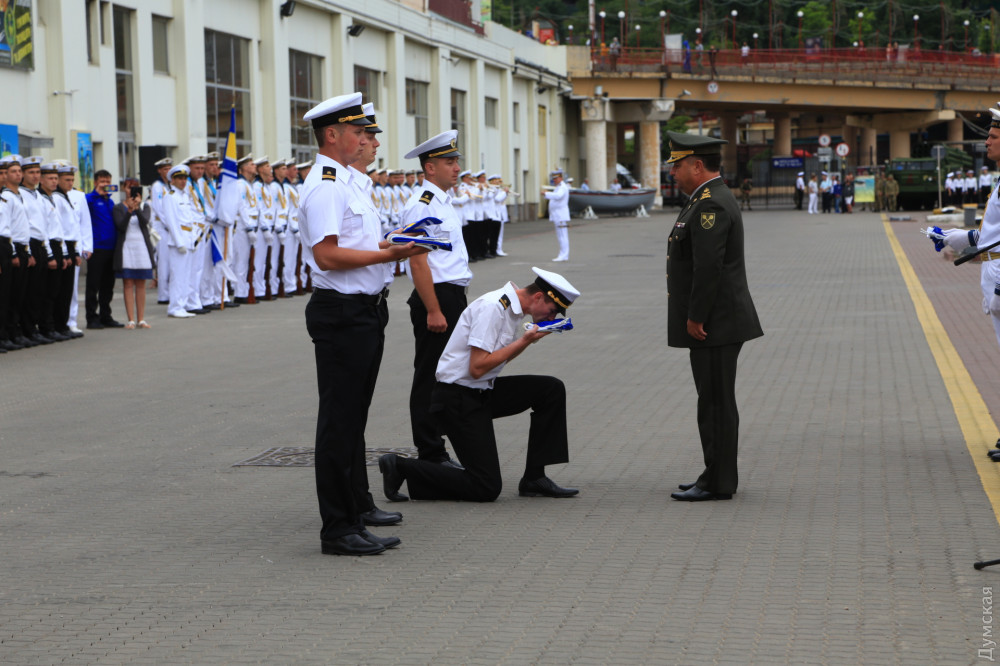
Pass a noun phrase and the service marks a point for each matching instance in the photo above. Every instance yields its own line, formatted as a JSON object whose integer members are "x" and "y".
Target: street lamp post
{"x": 570, "y": 29}
{"x": 965, "y": 47}
{"x": 861, "y": 16}
{"x": 733, "y": 14}
{"x": 755, "y": 35}
{"x": 637, "y": 27}
{"x": 663, "y": 16}
{"x": 621, "y": 28}
{"x": 800, "y": 15}
{"x": 916, "y": 31}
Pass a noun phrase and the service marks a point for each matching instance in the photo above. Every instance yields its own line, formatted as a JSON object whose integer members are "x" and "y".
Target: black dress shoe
{"x": 377, "y": 517}
{"x": 111, "y": 323}
{"x": 213, "y": 306}
{"x": 8, "y": 345}
{"x": 199, "y": 311}
{"x": 239, "y": 300}
{"x": 685, "y": 486}
{"x": 385, "y": 542}
{"x": 696, "y": 494}
{"x": 163, "y": 302}
{"x": 351, "y": 544}
{"x": 42, "y": 339}
{"x": 95, "y": 325}
{"x": 392, "y": 478}
{"x": 995, "y": 457}
{"x": 71, "y": 335}
{"x": 990, "y": 453}
{"x": 25, "y": 342}
{"x": 232, "y": 304}
{"x": 543, "y": 487}
{"x": 57, "y": 336}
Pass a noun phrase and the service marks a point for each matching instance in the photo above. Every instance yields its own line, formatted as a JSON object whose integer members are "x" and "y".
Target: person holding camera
{"x": 133, "y": 261}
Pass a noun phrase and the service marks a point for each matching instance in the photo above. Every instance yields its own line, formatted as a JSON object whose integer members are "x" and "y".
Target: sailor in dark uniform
{"x": 709, "y": 307}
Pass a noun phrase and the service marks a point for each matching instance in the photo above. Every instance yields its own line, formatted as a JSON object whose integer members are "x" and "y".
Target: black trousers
{"x": 798, "y": 199}
{"x": 53, "y": 288}
{"x": 100, "y": 285}
{"x": 466, "y": 416}
{"x": 348, "y": 337}
{"x": 17, "y": 324}
{"x": 714, "y": 370}
{"x": 64, "y": 295}
{"x": 36, "y": 294}
{"x": 6, "y": 279}
{"x": 428, "y": 347}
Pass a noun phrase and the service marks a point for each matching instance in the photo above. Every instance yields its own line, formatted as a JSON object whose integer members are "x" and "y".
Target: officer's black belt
{"x": 458, "y": 388}
{"x": 373, "y": 299}
{"x": 452, "y": 286}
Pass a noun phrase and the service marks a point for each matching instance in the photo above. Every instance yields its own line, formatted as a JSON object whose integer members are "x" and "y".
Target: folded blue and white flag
{"x": 551, "y": 326}
{"x": 429, "y": 242}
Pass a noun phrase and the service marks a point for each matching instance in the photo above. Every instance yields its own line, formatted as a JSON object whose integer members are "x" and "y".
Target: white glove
{"x": 995, "y": 301}
{"x": 252, "y": 236}
{"x": 959, "y": 239}
{"x": 268, "y": 236}
{"x": 282, "y": 236}
{"x": 182, "y": 249}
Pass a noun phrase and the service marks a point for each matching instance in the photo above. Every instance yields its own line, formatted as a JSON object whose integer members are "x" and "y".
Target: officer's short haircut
{"x": 711, "y": 162}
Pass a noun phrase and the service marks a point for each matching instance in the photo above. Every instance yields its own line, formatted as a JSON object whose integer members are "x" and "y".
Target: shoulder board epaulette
{"x": 330, "y": 173}
{"x": 504, "y": 301}
{"x": 426, "y": 197}
{"x": 706, "y": 194}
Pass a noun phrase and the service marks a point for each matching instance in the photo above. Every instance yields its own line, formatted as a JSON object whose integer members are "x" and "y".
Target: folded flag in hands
{"x": 418, "y": 228}
{"x": 551, "y": 326}
{"x": 936, "y": 236}
{"x": 429, "y": 242}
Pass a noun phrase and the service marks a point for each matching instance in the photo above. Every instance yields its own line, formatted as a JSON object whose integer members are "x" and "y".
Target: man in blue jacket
{"x": 100, "y": 266}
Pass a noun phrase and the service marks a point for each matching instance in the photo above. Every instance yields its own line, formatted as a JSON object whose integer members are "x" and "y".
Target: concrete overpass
{"x": 859, "y": 93}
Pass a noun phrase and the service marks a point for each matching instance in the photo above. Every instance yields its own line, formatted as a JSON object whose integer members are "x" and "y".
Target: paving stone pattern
{"x": 128, "y": 536}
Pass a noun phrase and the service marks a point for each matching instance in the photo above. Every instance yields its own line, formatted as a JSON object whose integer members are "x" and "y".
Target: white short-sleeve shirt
{"x": 330, "y": 206}
{"x": 491, "y": 322}
{"x": 451, "y": 266}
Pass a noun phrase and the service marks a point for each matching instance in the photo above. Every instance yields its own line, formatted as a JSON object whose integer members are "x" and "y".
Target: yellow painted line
{"x": 973, "y": 416}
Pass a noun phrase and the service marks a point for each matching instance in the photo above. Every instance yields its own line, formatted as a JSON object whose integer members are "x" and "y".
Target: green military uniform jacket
{"x": 706, "y": 272}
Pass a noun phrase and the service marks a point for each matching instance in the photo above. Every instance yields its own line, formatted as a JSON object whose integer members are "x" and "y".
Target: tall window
{"x": 515, "y": 117}
{"x": 124, "y": 91}
{"x": 161, "y": 62}
{"x": 416, "y": 106}
{"x": 305, "y": 90}
{"x": 227, "y": 83}
{"x": 491, "y": 111}
{"x": 458, "y": 114}
{"x": 366, "y": 82}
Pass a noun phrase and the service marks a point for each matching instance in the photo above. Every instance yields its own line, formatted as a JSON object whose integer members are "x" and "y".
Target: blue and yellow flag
{"x": 229, "y": 195}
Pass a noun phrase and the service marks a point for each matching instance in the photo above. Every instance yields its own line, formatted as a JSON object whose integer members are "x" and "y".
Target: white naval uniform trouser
{"x": 163, "y": 256}
{"x": 562, "y": 235}
{"x": 813, "y": 203}
{"x": 987, "y": 274}
{"x": 180, "y": 269}
{"x": 211, "y": 277}
{"x": 195, "y": 270}
{"x": 291, "y": 246}
{"x": 275, "y": 277}
{"x": 241, "y": 263}
{"x": 73, "y": 307}
{"x": 259, "y": 265}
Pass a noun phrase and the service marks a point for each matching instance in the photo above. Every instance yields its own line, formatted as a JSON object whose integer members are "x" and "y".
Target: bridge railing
{"x": 847, "y": 63}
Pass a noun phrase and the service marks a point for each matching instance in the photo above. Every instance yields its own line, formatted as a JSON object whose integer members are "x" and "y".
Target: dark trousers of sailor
{"x": 477, "y": 239}
{"x": 466, "y": 416}
{"x": 6, "y": 279}
{"x": 36, "y": 298}
{"x": 492, "y": 235}
{"x": 798, "y": 199}
{"x": 429, "y": 345}
{"x": 348, "y": 337}
{"x": 17, "y": 323}
{"x": 100, "y": 285}
{"x": 714, "y": 370}
{"x": 64, "y": 295}
{"x": 53, "y": 289}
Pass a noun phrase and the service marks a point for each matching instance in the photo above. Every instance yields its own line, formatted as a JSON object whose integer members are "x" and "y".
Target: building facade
{"x": 131, "y": 81}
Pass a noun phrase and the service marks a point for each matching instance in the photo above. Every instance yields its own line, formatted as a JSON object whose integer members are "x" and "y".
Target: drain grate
{"x": 304, "y": 456}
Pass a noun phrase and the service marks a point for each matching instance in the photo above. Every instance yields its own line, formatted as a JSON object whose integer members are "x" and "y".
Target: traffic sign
{"x": 824, "y": 152}
{"x": 713, "y": 87}
{"x": 843, "y": 150}
{"x": 824, "y": 140}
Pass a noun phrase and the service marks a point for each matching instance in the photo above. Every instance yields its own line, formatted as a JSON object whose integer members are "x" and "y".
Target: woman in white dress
{"x": 133, "y": 261}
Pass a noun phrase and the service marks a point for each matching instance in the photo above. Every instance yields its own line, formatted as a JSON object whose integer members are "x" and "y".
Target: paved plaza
{"x": 129, "y": 536}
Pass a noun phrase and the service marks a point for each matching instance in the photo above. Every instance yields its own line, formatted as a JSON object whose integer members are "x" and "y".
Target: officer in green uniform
{"x": 879, "y": 193}
{"x": 709, "y": 309}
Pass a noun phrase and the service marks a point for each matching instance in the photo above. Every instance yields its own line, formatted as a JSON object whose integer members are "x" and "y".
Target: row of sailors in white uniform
{"x": 477, "y": 198}
{"x": 184, "y": 214}
{"x": 58, "y": 221}
{"x": 955, "y": 182}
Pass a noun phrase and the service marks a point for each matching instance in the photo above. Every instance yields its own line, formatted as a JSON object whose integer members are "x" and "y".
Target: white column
{"x": 192, "y": 122}
{"x": 440, "y": 98}
{"x": 506, "y": 127}
{"x": 596, "y": 132}
{"x": 395, "y": 102}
